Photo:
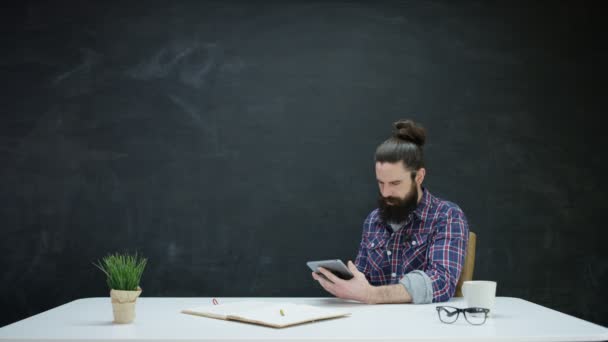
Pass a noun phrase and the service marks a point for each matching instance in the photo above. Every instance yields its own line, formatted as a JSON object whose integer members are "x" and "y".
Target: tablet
{"x": 335, "y": 266}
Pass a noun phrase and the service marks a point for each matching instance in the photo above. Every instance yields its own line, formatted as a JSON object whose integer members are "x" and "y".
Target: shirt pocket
{"x": 375, "y": 245}
{"x": 416, "y": 249}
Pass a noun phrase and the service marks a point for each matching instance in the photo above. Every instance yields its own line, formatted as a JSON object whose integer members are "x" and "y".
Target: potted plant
{"x": 123, "y": 273}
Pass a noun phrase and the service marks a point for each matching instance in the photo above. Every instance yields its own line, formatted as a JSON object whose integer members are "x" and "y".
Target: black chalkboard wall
{"x": 230, "y": 142}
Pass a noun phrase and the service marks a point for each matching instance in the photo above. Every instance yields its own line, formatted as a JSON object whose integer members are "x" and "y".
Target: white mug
{"x": 479, "y": 293}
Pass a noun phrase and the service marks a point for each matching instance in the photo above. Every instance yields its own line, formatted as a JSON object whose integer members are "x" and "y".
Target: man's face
{"x": 398, "y": 191}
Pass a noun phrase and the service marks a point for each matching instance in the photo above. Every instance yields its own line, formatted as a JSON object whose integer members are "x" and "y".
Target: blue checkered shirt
{"x": 433, "y": 240}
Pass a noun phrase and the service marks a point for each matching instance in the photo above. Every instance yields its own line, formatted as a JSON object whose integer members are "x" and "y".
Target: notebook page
{"x": 293, "y": 314}
{"x": 223, "y": 310}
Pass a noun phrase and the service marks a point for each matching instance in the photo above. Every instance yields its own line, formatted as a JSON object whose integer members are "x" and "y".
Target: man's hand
{"x": 357, "y": 288}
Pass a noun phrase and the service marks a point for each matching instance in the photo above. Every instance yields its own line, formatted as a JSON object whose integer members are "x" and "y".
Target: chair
{"x": 469, "y": 264}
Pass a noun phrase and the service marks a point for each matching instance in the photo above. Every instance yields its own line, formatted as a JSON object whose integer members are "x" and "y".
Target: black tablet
{"x": 335, "y": 266}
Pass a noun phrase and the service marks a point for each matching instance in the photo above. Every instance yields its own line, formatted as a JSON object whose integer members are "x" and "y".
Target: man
{"x": 413, "y": 245}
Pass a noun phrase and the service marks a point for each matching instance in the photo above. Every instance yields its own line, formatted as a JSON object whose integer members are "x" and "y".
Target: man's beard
{"x": 399, "y": 209}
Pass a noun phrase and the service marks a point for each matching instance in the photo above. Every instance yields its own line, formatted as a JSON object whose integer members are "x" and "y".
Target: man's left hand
{"x": 357, "y": 288}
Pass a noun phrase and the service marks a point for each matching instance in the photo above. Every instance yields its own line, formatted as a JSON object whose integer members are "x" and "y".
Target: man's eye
{"x": 396, "y": 183}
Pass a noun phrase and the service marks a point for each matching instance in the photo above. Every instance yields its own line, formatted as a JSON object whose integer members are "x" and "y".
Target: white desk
{"x": 160, "y": 319}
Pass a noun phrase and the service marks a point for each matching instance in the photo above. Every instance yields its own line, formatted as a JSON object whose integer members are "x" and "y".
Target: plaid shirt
{"x": 433, "y": 240}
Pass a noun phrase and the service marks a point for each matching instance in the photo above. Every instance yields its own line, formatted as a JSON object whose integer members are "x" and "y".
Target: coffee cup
{"x": 479, "y": 294}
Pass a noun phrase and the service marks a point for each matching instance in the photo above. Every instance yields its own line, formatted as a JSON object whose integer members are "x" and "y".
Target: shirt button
{"x": 394, "y": 275}
{"x": 372, "y": 244}
{"x": 413, "y": 243}
{"x": 388, "y": 252}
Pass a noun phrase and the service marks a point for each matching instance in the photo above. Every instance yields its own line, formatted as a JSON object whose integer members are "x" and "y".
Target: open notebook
{"x": 267, "y": 313}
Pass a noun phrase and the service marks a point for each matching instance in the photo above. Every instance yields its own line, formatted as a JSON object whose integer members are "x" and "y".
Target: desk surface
{"x": 157, "y": 319}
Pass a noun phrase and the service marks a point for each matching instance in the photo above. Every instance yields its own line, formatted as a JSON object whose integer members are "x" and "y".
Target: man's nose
{"x": 386, "y": 192}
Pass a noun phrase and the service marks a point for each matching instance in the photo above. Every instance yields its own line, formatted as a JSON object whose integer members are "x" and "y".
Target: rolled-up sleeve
{"x": 419, "y": 286}
{"x": 446, "y": 254}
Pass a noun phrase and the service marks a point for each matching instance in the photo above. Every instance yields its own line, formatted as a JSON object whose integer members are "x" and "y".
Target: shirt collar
{"x": 425, "y": 201}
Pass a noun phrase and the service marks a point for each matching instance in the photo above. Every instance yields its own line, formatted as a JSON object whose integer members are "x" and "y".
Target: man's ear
{"x": 420, "y": 175}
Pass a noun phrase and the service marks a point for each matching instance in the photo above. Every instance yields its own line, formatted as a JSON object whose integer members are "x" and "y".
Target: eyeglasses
{"x": 475, "y": 316}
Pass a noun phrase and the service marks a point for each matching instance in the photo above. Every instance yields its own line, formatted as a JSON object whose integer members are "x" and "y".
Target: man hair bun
{"x": 409, "y": 131}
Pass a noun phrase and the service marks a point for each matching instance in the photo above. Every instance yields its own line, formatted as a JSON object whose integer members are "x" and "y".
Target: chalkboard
{"x": 230, "y": 142}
